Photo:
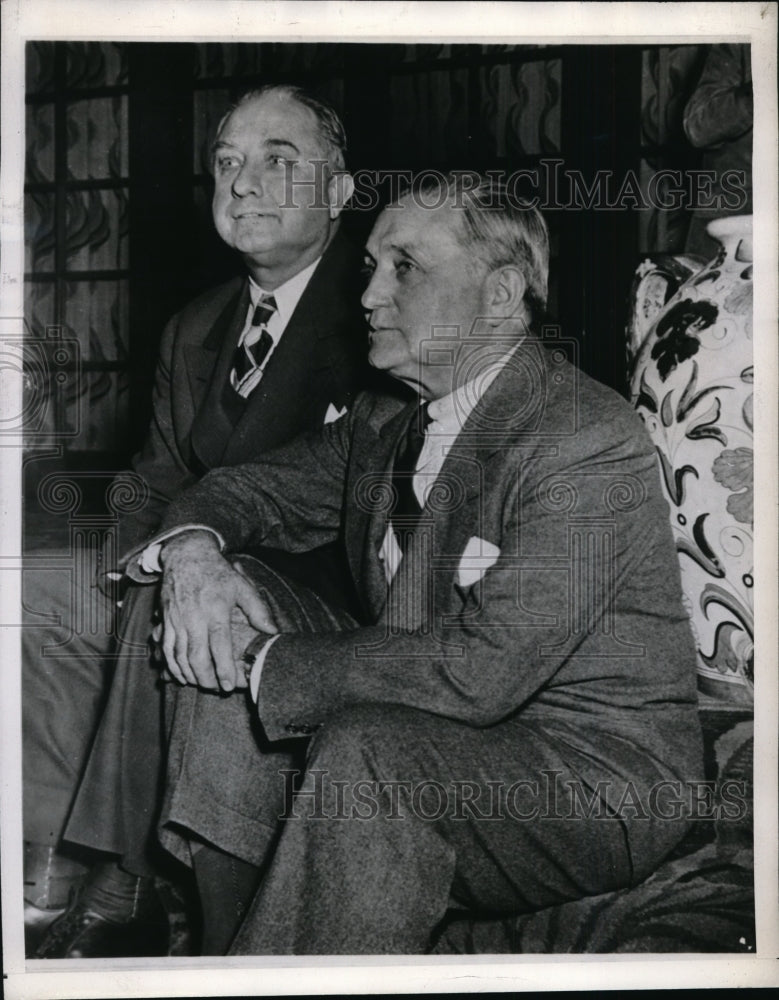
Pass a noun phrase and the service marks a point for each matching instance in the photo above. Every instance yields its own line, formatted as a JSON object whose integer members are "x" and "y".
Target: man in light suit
{"x": 498, "y": 736}
{"x": 280, "y": 187}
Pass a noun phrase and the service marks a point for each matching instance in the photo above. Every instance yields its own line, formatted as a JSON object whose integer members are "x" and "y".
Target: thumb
{"x": 256, "y": 610}
{"x": 238, "y": 567}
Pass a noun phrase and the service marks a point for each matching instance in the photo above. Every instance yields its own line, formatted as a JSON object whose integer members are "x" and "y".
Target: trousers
{"x": 116, "y": 803}
{"x": 389, "y": 818}
{"x": 67, "y": 636}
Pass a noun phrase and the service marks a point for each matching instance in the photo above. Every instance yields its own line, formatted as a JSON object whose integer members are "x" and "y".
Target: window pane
{"x": 39, "y": 232}
{"x": 107, "y": 397}
{"x": 39, "y": 307}
{"x": 521, "y": 108}
{"x": 97, "y": 314}
{"x": 39, "y": 66}
{"x": 96, "y": 230}
{"x": 39, "y": 162}
{"x": 96, "y": 64}
{"x": 97, "y": 138}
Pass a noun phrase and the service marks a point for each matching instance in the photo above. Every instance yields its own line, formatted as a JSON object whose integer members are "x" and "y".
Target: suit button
{"x": 291, "y": 729}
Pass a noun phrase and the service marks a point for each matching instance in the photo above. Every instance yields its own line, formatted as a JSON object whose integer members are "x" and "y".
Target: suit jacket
{"x": 321, "y": 360}
{"x": 543, "y": 578}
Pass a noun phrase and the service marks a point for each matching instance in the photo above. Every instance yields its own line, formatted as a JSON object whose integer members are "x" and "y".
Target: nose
{"x": 248, "y": 180}
{"x": 377, "y": 292}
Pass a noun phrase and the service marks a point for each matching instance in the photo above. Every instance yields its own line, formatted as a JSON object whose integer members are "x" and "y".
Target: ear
{"x": 340, "y": 189}
{"x": 505, "y": 293}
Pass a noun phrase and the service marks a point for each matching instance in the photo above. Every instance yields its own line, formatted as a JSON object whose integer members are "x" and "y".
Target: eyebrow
{"x": 414, "y": 253}
{"x": 274, "y": 143}
{"x": 221, "y": 144}
{"x": 282, "y": 142}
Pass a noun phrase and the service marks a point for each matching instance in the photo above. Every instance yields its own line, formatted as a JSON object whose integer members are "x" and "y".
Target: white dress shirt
{"x": 287, "y": 297}
{"x": 447, "y": 418}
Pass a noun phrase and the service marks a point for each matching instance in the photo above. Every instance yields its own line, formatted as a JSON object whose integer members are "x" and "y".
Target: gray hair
{"x": 499, "y": 227}
{"x": 331, "y": 130}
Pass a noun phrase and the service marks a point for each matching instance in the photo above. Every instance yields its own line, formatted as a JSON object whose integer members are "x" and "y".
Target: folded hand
{"x": 203, "y": 598}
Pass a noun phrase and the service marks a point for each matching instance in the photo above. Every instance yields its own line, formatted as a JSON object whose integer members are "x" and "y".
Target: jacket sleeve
{"x": 514, "y": 631}
{"x": 292, "y": 499}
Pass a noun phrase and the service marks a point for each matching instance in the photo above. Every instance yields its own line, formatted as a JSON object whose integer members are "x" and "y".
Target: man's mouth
{"x": 253, "y": 215}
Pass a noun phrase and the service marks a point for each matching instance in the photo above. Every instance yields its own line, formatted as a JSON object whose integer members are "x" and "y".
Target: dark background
{"x": 118, "y": 226}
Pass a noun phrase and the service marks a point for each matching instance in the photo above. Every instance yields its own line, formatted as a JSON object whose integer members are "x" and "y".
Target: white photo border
{"x": 255, "y": 20}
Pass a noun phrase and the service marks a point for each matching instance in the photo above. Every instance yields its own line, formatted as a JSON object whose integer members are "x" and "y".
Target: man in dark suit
{"x": 242, "y": 369}
{"x": 503, "y": 727}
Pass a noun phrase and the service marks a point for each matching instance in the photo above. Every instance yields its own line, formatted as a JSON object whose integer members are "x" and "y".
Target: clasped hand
{"x": 211, "y": 612}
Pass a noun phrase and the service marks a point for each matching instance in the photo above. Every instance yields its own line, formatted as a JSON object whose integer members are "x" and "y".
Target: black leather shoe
{"x": 82, "y": 933}
{"x": 115, "y": 915}
{"x": 50, "y": 880}
{"x": 36, "y": 923}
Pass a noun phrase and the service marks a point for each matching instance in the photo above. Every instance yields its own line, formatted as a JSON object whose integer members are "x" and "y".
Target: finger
{"x": 168, "y": 644}
{"x": 221, "y": 645}
{"x": 256, "y": 610}
{"x": 178, "y": 658}
{"x": 200, "y": 661}
{"x": 241, "y": 680}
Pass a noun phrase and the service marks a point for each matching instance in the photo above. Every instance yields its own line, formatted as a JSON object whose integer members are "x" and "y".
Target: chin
{"x": 255, "y": 244}
{"x": 378, "y": 359}
{"x": 257, "y": 232}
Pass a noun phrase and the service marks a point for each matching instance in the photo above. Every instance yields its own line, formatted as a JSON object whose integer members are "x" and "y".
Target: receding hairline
{"x": 450, "y": 209}
{"x": 284, "y": 93}
{"x": 279, "y": 94}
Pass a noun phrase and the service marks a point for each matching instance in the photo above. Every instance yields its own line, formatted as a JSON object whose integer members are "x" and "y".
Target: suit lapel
{"x": 208, "y": 366}
{"x": 312, "y": 344}
{"x": 201, "y": 357}
{"x": 501, "y": 423}
{"x": 472, "y": 474}
{"x": 369, "y": 504}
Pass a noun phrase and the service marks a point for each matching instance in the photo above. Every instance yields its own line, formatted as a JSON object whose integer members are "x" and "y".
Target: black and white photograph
{"x": 389, "y": 486}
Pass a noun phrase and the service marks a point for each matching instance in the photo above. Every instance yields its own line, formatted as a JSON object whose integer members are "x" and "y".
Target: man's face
{"x": 421, "y": 278}
{"x": 253, "y": 168}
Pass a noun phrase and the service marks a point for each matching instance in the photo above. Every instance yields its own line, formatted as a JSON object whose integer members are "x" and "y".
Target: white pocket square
{"x": 333, "y": 413}
{"x": 390, "y": 554}
{"x": 477, "y": 557}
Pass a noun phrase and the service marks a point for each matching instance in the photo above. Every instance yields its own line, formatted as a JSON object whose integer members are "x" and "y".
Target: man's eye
{"x": 280, "y": 161}
{"x": 405, "y": 266}
{"x": 226, "y": 163}
{"x": 367, "y": 269}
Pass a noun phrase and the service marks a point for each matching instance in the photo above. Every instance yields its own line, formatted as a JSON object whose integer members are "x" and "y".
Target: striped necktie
{"x": 407, "y": 510}
{"x": 254, "y": 350}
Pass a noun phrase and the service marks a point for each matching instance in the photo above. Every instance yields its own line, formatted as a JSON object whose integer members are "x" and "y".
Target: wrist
{"x": 190, "y": 540}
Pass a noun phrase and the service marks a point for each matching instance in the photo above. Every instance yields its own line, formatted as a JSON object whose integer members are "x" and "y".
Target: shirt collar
{"x": 287, "y": 295}
{"x": 450, "y": 412}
